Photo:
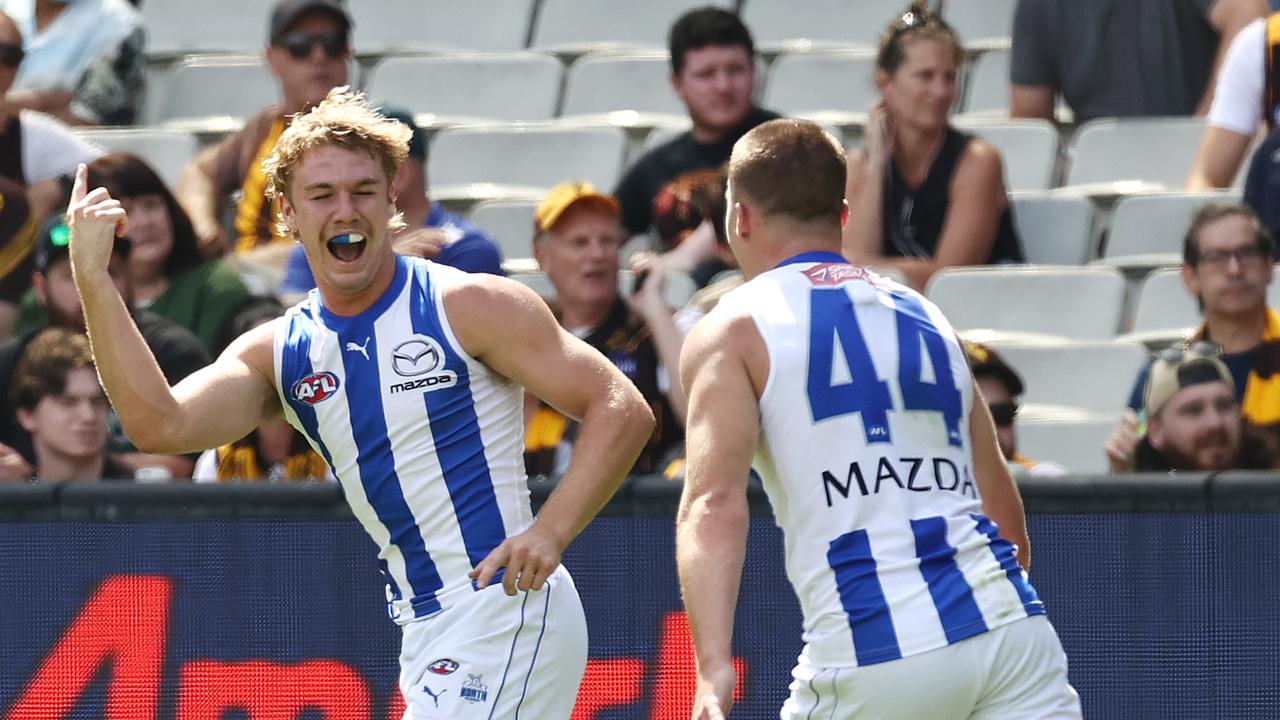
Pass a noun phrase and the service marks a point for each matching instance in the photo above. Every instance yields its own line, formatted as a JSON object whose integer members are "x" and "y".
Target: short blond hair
{"x": 345, "y": 119}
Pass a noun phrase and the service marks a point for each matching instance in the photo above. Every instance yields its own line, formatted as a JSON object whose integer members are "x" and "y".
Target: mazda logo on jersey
{"x": 421, "y": 358}
{"x": 315, "y": 388}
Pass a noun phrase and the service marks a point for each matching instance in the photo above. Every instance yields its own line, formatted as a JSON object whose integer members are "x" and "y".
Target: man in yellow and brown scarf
{"x": 1227, "y": 265}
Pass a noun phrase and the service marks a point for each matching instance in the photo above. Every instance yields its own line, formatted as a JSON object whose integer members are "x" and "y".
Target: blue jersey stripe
{"x": 951, "y": 593}
{"x": 874, "y": 639}
{"x": 377, "y": 467}
{"x": 456, "y": 432}
{"x": 294, "y": 365}
{"x": 1003, "y": 551}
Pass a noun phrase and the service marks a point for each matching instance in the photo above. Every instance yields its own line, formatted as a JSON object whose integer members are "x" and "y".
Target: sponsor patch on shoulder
{"x": 835, "y": 273}
{"x": 443, "y": 666}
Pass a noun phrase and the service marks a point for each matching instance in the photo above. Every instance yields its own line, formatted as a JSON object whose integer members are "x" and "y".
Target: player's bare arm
{"x": 213, "y": 406}
{"x": 722, "y": 367}
{"x": 509, "y": 328}
{"x": 1001, "y": 501}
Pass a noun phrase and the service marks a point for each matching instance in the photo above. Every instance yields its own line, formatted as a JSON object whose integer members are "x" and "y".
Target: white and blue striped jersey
{"x": 426, "y": 441}
{"x": 865, "y": 456}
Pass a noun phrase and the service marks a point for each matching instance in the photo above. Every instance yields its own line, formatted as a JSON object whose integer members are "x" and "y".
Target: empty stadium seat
{"x": 773, "y": 23}
{"x": 1145, "y": 224}
{"x": 1028, "y": 148}
{"x": 516, "y": 86}
{"x": 1075, "y": 444}
{"x": 390, "y": 26}
{"x": 981, "y": 23}
{"x": 987, "y": 84}
{"x": 229, "y": 26}
{"x": 509, "y": 223}
{"x": 1151, "y": 150}
{"x": 211, "y": 86}
{"x": 1054, "y": 229}
{"x": 1071, "y": 302}
{"x": 166, "y": 151}
{"x": 574, "y": 27}
{"x": 493, "y": 161}
{"x": 606, "y": 83}
{"x": 807, "y": 82}
{"x": 1163, "y": 303}
{"x": 1088, "y": 374}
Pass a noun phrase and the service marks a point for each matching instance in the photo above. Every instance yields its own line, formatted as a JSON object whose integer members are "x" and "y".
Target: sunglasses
{"x": 299, "y": 45}
{"x": 1175, "y": 354}
{"x": 909, "y": 21}
{"x": 1003, "y": 413}
{"x": 11, "y": 56}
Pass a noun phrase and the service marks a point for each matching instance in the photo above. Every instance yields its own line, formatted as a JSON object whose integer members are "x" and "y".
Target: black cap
{"x": 51, "y": 243}
{"x": 418, "y": 139}
{"x": 287, "y": 12}
{"x": 985, "y": 361}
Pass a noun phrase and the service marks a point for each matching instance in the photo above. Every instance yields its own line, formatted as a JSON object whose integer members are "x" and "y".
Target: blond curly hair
{"x": 345, "y": 119}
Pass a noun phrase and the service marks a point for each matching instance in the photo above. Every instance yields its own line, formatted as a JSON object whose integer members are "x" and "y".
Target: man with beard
{"x": 1226, "y": 266}
{"x": 1194, "y": 420}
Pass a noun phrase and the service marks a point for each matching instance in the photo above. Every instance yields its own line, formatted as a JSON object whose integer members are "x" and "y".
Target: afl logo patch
{"x": 315, "y": 388}
{"x": 416, "y": 356}
{"x": 444, "y": 666}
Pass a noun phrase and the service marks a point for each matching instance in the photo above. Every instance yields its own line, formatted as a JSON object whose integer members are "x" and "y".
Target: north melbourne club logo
{"x": 315, "y": 388}
{"x": 474, "y": 690}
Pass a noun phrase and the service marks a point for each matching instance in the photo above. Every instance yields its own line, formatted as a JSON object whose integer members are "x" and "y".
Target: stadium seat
{"x": 1151, "y": 150}
{"x": 166, "y": 151}
{"x": 1145, "y": 224}
{"x": 1163, "y": 303}
{"x": 988, "y": 83}
{"x": 509, "y": 223}
{"x": 1088, "y": 374}
{"x": 1032, "y": 299}
{"x": 182, "y": 28}
{"x": 775, "y": 24}
{"x": 1076, "y": 444}
{"x": 211, "y": 86}
{"x": 574, "y": 27}
{"x": 1055, "y": 230}
{"x": 981, "y": 23}
{"x": 808, "y": 82}
{"x": 606, "y": 83}
{"x": 391, "y": 26}
{"x": 493, "y": 161}
{"x": 507, "y": 87}
{"x": 1029, "y": 149}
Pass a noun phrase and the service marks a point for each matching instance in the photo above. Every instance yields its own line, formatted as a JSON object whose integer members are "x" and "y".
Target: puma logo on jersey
{"x": 435, "y": 696}
{"x": 363, "y": 349}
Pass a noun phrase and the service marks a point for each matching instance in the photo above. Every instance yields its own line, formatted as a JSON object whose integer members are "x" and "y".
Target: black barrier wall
{"x": 191, "y": 601}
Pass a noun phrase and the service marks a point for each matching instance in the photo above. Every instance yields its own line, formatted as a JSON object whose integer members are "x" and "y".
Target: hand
{"x": 424, "y": 243}
{"x": 714, "y": 695}
{"x": 647, "y": 300}
{"x": 12, "y": 465}
{"x": 878, "y": 138}
{"x": 529, "y": 559}
{"x": 210, "y": 238}
{"x": 95, "y": 219}
{"x": 1122, "y": 443}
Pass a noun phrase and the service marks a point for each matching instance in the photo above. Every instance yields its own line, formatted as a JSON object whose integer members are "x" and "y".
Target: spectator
{"x": 274, "y": 451}
{"x": 167, "y": 275}
{"x": 576, "y": 245}
{"x": 309, "y": 47}
{"x": 923, "y": 195}
{"x": 1193, "y": 417}
{"x": 1242, "y": 100}
{"x": 430, "y": 231}
{"x": 59, "y": 402}
{"x": 34, "y": 148}
{"x": 1001, "y": 385}
{"x": 84, "y": 60}
{"x": 713, "y": 74}
{"x": 178, "y": 352}
{"x": 17, "y": 238}
{"x": 1226, "y": 266}
{"x": 1111, "y": 59}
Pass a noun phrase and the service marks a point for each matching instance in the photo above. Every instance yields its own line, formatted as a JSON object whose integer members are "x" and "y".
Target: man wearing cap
{"x": 308, "y": 48}
{"x": 576, "y": 243}
{"x": 1193, "y": 418}
{"x": 431, "y": 231}
{"x": 177, "y": 351}
{"x": 1001, "y": 385}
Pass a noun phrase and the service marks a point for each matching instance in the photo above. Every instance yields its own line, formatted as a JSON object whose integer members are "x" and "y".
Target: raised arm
{"x": 198, "y": 192}
{"x": 213, "y": 406}
{"x": 1001, "y": 501}
{"x": 509, "y": 328}
{"x": 711, "y": 525}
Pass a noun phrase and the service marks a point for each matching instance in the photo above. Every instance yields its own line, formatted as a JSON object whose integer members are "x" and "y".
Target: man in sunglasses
{"x": 1226, "y": 265}
{"x": 309, "y": 47}
{"x": 1001, "y": 385}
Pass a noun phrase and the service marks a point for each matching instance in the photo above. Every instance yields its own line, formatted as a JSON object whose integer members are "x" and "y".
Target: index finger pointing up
{"x": 78, "y": 188}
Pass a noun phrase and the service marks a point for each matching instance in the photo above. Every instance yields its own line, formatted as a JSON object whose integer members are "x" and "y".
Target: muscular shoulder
{"x": 482, "y": 308}
{"x": 726, "y": 335}
{"x": 256, "y": 348}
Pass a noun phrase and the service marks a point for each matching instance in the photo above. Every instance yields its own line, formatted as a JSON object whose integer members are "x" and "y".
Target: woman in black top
{"x": 922, "y": 195}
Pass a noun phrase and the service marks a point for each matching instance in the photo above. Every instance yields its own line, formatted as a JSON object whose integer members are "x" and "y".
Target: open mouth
{"x": 346, "y": 247}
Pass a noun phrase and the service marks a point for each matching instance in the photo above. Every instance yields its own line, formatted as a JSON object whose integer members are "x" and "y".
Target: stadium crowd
{"x": 629, "y": 268}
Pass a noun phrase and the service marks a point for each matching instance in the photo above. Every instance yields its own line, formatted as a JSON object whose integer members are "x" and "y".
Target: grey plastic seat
{"x": 808, "y": 82}
{"x": 1152, "y": 150}
{"x": 1146, "y": 224}
{"x": 578, "y": 26}
{"x": 209, "y": 86}
{"x": 1089, "y": 374}
{"x": 774, "y": 23}
{"x": 1028, "y": 148}
{"x": 166, "y": 151}
{"x": 981, "y": 23}
{"x": 606, "y": 83}
{"x": 1074, "y": 444}
{"x": 988, "y": 83}
{"x": 515, "y": 86}
{"x": 509, "y": 223}
{"x": 391, "y": 26}
{"x": 1163, "y": 303}
{"x": 229, "y": 26}
{"x": 1071, "y": 302}
{"x": 1054, "y": 229}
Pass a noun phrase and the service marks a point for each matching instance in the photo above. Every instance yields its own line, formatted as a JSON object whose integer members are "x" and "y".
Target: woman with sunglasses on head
{"x": 923, "y": 195}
